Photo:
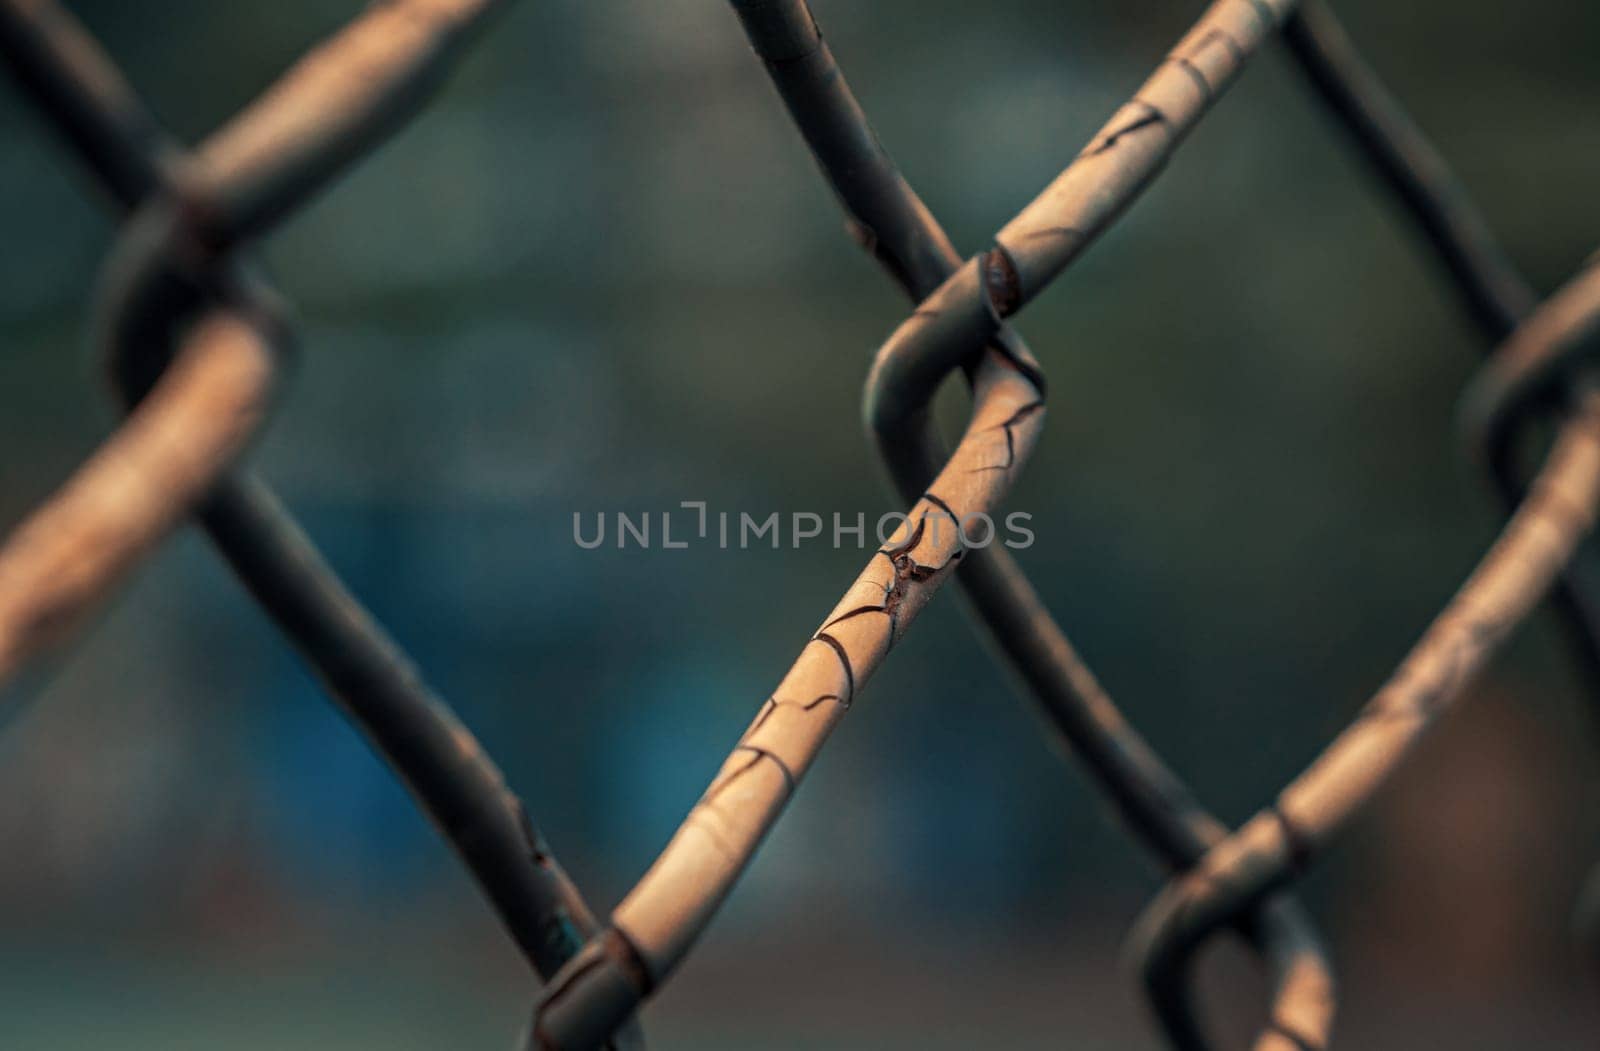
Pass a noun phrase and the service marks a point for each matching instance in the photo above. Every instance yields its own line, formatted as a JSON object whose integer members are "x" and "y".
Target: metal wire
{"x": 892, "y": 223}
{"x": 177, "y": 259}
{"x": 1491, "y": 289}
{"x": 1276, "y": 845}
{"x": 194, "y": 338}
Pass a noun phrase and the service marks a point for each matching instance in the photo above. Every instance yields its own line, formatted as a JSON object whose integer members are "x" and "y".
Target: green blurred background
{"x": 601, "y": 274}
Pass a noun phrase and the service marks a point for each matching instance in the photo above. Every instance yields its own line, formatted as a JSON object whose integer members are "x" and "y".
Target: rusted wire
{"x": 322, "y": 115}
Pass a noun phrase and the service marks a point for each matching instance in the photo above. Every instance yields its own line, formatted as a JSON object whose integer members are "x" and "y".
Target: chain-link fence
{"x": 196, "y": 343}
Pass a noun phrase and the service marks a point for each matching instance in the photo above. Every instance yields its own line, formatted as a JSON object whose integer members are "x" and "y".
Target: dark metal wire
{"x": 1492, "y": 291}
{"x": 187, "y": 210}
{"x": 1509, "y": 395}
{"x": 1281, "y": 841}
{"x": 1490, "y": 287}
{"x": 1541, "y": 365}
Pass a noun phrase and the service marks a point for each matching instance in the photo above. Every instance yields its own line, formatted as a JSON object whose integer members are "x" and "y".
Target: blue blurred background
{"x": 600, "y": 274}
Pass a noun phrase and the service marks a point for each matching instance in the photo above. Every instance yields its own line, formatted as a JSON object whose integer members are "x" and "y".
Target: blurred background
{"x": 601, "y": 274}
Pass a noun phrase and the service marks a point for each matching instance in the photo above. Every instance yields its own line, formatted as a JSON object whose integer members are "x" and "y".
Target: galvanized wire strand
{"x": 1276, "y": 845}
{"x": 890, "y": 220}
{"x": 435, "y": 755}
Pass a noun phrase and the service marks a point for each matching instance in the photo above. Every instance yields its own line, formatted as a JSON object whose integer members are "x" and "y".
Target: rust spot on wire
{"x": 1001, "y": 282}
{"x": 1294, "y": 840}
